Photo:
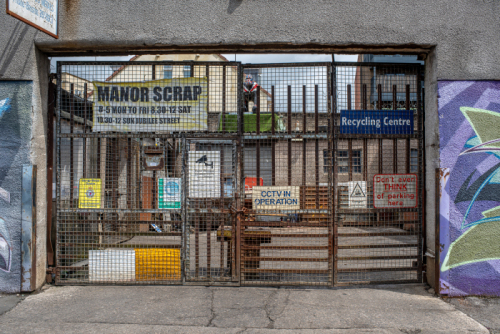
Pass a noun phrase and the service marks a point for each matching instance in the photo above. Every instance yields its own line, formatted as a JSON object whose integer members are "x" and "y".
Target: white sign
{"x": 356, "y": 193}
{"x": 395, "y": 191}
{"x": 204, "y": 174}
{"x": 276, "y": 198}
{"x": 41, "y": 14}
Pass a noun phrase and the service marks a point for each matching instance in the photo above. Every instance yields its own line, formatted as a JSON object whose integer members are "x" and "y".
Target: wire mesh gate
{"x": 196, "y": 173}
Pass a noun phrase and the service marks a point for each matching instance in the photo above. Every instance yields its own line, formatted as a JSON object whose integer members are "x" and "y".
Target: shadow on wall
{"x": 470, "y": 220}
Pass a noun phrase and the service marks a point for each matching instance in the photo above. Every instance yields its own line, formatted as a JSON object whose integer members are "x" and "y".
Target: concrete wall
{"x": 460, "y": 39}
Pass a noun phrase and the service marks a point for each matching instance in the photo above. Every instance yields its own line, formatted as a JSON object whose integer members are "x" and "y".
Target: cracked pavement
{"x": 195, "y": 309}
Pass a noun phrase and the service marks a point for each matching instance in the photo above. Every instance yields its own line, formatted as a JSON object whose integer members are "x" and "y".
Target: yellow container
{"x": 157, "y": 264}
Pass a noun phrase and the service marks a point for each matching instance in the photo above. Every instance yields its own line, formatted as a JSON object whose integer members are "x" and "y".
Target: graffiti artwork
{"x": 5, "y": 248}
{"x": 470, "y": 194}
{"x": 15, "y": 127}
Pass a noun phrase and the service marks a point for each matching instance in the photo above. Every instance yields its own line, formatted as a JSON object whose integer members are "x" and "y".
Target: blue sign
{"x": 376, "y": 122}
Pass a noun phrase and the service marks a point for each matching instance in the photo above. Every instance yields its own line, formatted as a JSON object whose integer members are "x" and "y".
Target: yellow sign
{"x": 89, "y": 192}
{"x": 160, "y": 105}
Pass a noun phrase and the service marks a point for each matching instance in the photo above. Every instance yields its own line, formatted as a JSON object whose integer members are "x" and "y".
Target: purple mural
{"x": 469, "y": 130}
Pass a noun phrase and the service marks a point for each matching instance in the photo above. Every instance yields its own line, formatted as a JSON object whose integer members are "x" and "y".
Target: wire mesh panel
{"x": 121, "y": 183}
{"x": 378, "y": 173}
{"x": 211, "y": 187}
{"x": 286, "y": 229}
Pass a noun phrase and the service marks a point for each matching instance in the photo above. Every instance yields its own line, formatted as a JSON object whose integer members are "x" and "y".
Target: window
{"x": 187, "y": 71}
{"x": 343, "y": 161}
{"x": 326, "y": 164}
{"x": 167, "y": 72}
{"x": 413, "y": 160}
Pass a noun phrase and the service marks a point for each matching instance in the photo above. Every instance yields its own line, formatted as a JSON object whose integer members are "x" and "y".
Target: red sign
{"x": 395, "y": 191}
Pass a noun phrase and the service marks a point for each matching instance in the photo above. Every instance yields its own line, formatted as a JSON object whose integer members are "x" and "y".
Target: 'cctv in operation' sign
{"x": 395, "y": 191}
{"x": 41, "y": 14}
{"x": 276, "y": 198}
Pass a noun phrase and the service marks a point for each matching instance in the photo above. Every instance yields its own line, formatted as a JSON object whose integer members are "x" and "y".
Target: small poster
{"x": 169, "y": 193}
{"x": 89, "y": 192}
{"x": 204, "y": 174}
{"x": 395, "y": 191}
{"x": 356, "y": 192}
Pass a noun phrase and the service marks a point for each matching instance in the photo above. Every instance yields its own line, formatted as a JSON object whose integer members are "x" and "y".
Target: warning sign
{"x": 89, "y": 192}
{"x": 395, "y": 191}
{"x": 356, "y": 193}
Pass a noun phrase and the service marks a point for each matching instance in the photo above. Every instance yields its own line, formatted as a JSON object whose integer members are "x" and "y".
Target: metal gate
{"x": 229, "y": 174}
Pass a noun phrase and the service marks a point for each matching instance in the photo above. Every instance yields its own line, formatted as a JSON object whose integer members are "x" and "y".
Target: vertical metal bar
{"x": 395, "y": 141}
{"x": 71, "y": 158}
{"x": 84, "y": 130}
{"x": 207, "y": 73}
{"x": 71, "y": 108}
{"x": 273, "y": 144}
{"x": 289, "y": 155}
{"x": 380, "y": 146}
{"x": 129, "y": 173}
{"x": 420, "y": 172}
{"x": 185, "y": 240}
{"x": 50, "y": 171}
{"x": 364, "y": 98}
{"x": 331, "y": 210}
{"x": 304, "y": 144}
{"x": 333, "y": 220}
{"x": 153, "y": 72}
{"x": 221, "y": 206}
{"x": 316, "y": 109}
{"x": 349, "y": 97}
{"x": 349, "y": 157}
{"x": 58, "y": 161}
{"x": 304, "y": 109}
{"x": 223, "y": 114}
{"x": 316, "y": 143}
{"x": 257, "y": 145}
{"x": 408, "y": 149}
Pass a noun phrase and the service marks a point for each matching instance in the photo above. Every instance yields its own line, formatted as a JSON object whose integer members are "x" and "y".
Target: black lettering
{"x": 114, "y": 94}
{"x": 167, "y": 94}
{"x": 177, "y": 93}
{"x": 124, "y": 93}
{"x": 196, "y": 92}
{"x": 134, "y": 94}
{"x": 144, "y": 94}
{"x": 188, "y": 96}
{"x": 102, "y": 93}
{"x": 157, "y": 94}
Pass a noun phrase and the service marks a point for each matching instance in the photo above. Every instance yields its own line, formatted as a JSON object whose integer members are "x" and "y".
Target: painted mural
{"x": 15, "y": 128}
{"x": 469, "y": 113}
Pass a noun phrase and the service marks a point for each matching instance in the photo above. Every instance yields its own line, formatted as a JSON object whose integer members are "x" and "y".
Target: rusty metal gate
{"x": 221, "y": 173}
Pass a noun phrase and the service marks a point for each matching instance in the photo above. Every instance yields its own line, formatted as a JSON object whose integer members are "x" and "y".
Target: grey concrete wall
{"x": 21, "y": 60}
{"x": 464, "y": 31}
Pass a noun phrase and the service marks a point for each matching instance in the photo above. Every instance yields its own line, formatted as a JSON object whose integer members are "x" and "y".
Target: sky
{"x": 244, "y": 58}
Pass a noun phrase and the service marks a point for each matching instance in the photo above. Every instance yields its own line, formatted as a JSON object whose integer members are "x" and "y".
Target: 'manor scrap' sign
{"x": 275, "y": 198}
{"x": 41, "y": 14}
{"x": 158, "y": 105}
{"x": 395, "y": 191}
{"x": 376, "y": 121}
